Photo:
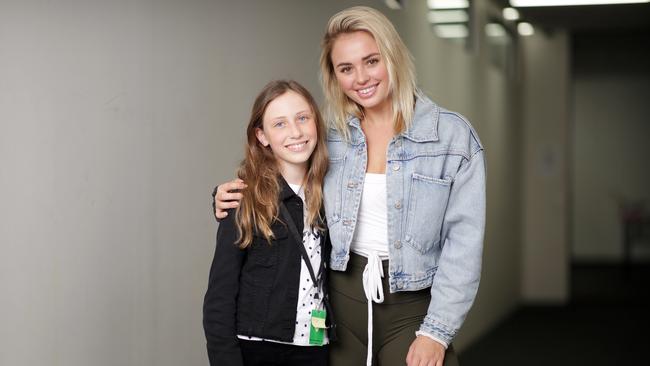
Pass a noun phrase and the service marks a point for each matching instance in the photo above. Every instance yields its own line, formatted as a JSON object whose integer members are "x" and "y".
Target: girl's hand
{"x": 227, "y": 196}
{"x": 424, "y": 351}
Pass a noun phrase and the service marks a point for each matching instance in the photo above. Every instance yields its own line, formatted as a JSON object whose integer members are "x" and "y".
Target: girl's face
{"x": 360, "y": 69}
{"x": 289, "y": 128}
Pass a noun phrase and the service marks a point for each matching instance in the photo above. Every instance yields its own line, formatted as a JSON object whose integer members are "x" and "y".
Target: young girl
{"x": 266, "y": 296}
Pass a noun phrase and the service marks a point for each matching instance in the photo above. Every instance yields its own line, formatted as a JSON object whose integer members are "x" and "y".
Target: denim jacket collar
{"x": 425, "y": 121}
{"x": 356, "y": 134}
{"x": 423, "y": 129}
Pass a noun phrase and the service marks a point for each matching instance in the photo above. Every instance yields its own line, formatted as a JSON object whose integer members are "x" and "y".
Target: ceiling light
{"x": 525, "y": 29}
{"x": 448, "y": 4}
{"x": 451, "y": 31}
{"x": 535, "y": 3}
{"x": 510, "y": 14}
{"x": 394, "y": 4}
{"x": 494, "y": 30}
{"x": 448, "y": 16}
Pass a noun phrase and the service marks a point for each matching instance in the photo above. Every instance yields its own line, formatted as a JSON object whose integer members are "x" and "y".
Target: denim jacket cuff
{"x": 431, "y": 336}
{"x": 438, "y": 330}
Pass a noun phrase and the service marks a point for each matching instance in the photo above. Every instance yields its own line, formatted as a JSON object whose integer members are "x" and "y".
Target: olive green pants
{"x": 395, "y": 320}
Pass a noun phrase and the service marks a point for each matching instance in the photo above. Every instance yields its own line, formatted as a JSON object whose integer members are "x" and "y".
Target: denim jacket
{"x": 435, "y": 183}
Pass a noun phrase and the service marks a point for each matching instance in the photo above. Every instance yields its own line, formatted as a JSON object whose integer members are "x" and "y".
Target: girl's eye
{"x": 303, "y": 118}
{"x": 345, "y": 69}
{"x": 279, "y": 124}
{"x": 373, "y": 61}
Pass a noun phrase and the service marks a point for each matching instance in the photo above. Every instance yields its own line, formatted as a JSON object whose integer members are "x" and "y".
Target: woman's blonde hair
{"x": 259, "y": 169}
{"x": 398, "y": 59}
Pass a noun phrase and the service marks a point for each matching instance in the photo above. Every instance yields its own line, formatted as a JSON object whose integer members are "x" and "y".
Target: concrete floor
{"x": 606, "y": 323}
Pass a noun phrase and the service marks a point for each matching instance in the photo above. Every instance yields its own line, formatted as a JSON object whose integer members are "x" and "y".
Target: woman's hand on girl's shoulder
{"x": 226, "y": 196}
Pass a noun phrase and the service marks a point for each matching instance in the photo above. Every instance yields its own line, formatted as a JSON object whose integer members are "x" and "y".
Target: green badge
{"x": 317, "y": 327}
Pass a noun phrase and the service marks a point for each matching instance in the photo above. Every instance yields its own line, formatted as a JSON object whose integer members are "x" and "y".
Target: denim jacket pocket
{"x": 427, "y": 204}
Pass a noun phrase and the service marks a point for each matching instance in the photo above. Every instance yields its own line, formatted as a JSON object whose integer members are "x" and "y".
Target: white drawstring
{"x": 372, "y": 275}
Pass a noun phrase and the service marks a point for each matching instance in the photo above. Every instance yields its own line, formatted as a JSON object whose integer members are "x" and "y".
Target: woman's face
{"x": 360, "y": 69}
{"x": 289, "y": 128}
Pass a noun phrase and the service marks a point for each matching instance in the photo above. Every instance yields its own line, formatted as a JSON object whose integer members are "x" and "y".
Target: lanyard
{"x": 303, "y": 253}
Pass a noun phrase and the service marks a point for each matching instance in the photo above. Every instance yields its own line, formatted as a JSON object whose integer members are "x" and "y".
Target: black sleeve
{"x": 214, "y": 204}
{"x": 220, "y": 302}
{"x": 331, "y": 320}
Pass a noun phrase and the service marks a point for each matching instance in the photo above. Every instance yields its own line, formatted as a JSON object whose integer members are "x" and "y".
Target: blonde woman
{"x": 404, "y": 201}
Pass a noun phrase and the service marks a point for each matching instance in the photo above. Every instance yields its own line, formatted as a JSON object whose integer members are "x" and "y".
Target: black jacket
{"x": 254, "y": 291}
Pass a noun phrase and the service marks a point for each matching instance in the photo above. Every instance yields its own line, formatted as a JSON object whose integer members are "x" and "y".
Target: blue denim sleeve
{"x": 459, "y": 268}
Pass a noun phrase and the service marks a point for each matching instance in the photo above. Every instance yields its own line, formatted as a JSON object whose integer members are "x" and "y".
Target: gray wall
{"x": 545, "y": 209}
{"x": 611, "y": 85}
{"x": 116, "y": 119}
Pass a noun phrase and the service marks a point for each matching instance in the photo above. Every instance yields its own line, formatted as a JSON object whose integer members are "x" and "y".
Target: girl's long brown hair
{"x": 260, "y": 171}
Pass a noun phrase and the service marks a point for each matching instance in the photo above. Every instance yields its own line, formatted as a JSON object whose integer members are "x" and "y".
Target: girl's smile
{"x": 289, "y": 129}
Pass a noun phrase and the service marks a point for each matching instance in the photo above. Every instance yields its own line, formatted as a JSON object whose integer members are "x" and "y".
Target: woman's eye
{"x": 345, "y": 70}
{"x": 279, "y": 124}
{"x": 373, "y": 61}
{"x": 303, "y": 118}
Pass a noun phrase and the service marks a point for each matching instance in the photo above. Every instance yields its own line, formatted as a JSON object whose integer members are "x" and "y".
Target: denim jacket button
{"x": 351, "y": 184}
{"x": 398, "y": 204}
{"x": 398, "y": 244}
{"x": 396, "y": 166}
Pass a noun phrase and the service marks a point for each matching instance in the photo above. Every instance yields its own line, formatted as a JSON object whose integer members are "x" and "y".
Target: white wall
{"x": 545, "y": 114}
{"x": 116, "y": 119}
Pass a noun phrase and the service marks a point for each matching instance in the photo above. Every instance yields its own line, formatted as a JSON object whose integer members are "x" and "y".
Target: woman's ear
{"x": 261, "y": 137}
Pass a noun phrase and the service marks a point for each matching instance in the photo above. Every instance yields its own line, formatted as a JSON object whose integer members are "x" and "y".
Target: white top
{"x": 371, "y": 241}
{"x": 371, "y": 231}
{"x": 306, "y": 303}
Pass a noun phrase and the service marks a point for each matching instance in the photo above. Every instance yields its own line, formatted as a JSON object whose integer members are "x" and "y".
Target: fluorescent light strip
{"x": 510, "y": 14}
{"x": 447, "y": 16}
{"x": 536, "y": 3}
{"x": 451, "y": 31}
{"x": 448, "y": 4}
